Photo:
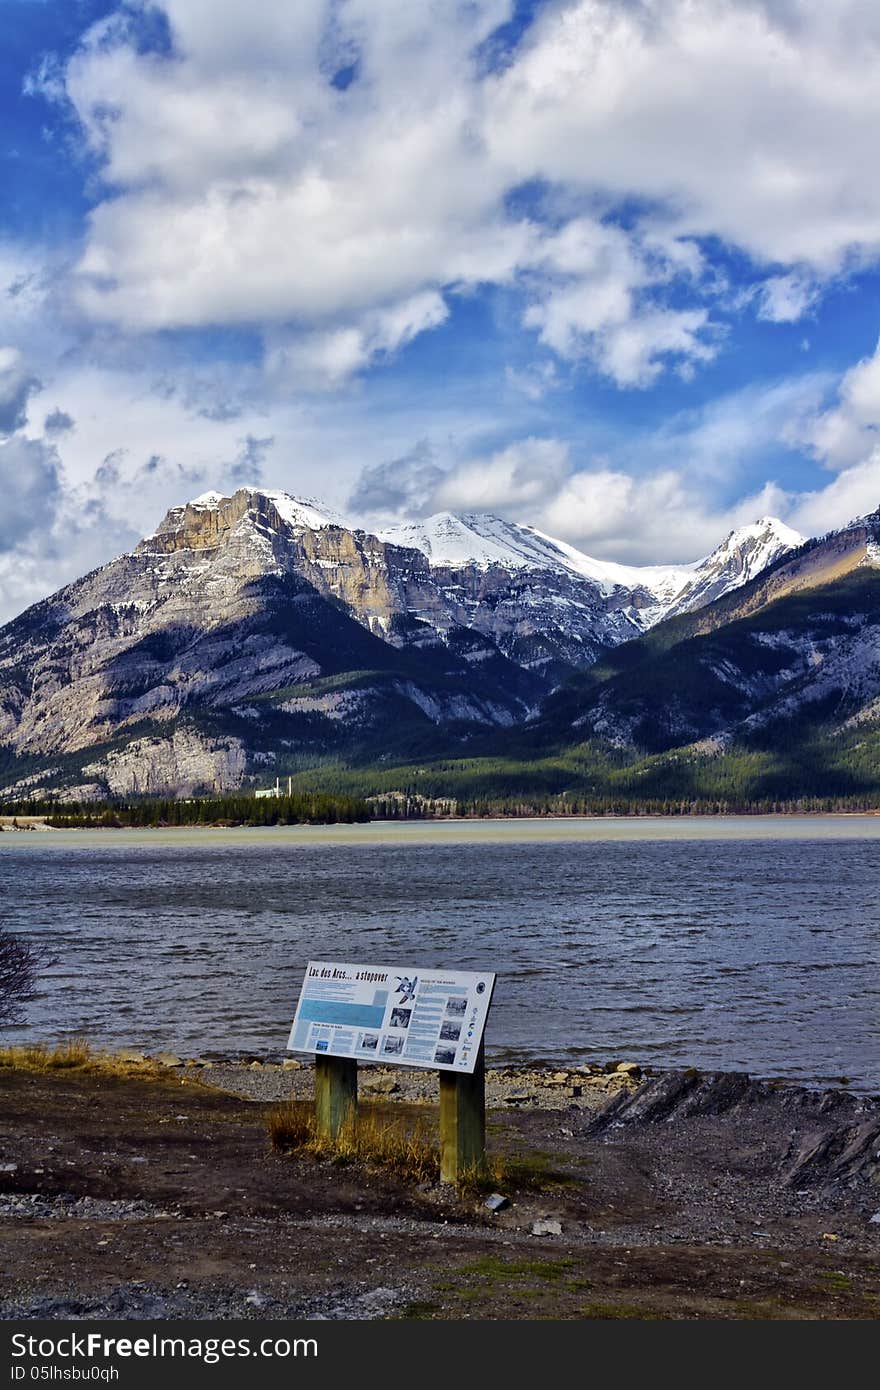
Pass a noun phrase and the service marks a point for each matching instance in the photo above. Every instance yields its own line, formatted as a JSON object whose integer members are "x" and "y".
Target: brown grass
{"x": 407, "y": 1148}
{"x": 77, "y": 1054}
{"x": 398, "y": 1146}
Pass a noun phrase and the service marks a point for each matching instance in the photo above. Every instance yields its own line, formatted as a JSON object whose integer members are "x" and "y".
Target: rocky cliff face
{"x": 540, "y": 602}
{"x": 255, "y": 629}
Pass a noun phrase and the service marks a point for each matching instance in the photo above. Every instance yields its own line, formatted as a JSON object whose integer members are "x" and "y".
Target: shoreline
{"x": 464, "y": 830}
{"x": 542, "y": 1083}
{"x": 26, "y": 824}
{"x": 691, "y": 1196}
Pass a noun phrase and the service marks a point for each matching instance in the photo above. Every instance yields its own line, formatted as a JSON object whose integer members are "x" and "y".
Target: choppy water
{"x": 750, "y": 944}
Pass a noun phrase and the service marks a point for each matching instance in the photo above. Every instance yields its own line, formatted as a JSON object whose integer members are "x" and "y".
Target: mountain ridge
{"x": 255, "y": 632}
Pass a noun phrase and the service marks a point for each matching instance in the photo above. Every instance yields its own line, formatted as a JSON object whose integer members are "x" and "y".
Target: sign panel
{"x": 393, "y": 1013}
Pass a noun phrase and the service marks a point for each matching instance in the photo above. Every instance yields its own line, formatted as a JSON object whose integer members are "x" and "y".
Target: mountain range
{"x": 259, "y": 634}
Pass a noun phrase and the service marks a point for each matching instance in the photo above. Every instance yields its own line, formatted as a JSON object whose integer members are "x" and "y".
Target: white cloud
{"x": 786, "y": 298}
{"x": 243, "y": 188}
{"x": 306, "y": 209}
{"x": 291, "y": 201}
{"x": 850, "y": 430}
{"x": 593, "y": 300}
{"x": 297, "y": 205}
{"x": 516, "y": 479}
{"x": 246, "y": 188}
{"x": 853, "y": 493}
{"x": 748, "y": 120}
{"x": 326, "y": 359}
{"x": 667, "y": 497}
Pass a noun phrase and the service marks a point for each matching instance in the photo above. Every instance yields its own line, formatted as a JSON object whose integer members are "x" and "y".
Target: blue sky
{"x": 608, "y": 268}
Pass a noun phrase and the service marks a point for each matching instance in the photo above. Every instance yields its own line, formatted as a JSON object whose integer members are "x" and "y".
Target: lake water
{"x": 747, "y": 943}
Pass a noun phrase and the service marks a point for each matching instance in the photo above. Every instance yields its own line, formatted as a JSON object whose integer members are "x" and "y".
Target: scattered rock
{"x": 291, "y": 1064}
{"x": 496, "y": 1201}
{"x": 547, "y": 1226}
{"x": 169, "y": 1059}
{"x": 382, "y": 1086}
{"x": 875, "y": 1219}
{"x": 130, "y": 1054}
{"x": 629, "y": 1069}
{"x": 517, "y": 1097}
{"x": 8, "y": 1167}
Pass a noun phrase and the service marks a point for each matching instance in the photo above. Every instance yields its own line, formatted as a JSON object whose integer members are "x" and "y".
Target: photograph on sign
{"x": 393, "y": 1013}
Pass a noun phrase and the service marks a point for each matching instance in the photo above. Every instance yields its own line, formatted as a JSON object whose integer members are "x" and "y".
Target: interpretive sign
{"x": 393, "y": 1013}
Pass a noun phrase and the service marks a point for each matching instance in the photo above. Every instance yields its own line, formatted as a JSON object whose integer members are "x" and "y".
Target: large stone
{"x": 381, "y": 1086}
{"x": 547, "y": 1226}
{"x": 496, "y": 1201}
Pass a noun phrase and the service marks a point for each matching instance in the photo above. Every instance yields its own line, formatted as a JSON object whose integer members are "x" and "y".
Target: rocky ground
{"x": 157, "y": 1195}
{"x": 510, "y": 1087}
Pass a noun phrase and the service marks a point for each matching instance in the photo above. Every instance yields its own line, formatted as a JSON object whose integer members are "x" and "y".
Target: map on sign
{"x": 393, "y": 1013}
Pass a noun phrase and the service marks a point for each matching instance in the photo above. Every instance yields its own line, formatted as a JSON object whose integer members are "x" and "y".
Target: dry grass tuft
{"x": 397, "y": 1146}
{"x": 291, "y": 1126}
{"x": 74, "y": 1055}
{"x": 77, "y": 1054}
{"x": 407, "y": 1148}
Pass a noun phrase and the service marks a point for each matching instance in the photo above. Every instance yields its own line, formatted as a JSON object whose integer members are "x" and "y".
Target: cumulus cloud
{"x": 687, "y": 489}
{"x": 786, "y": 298}
{"x": 747, "y": 120}
{"x": 594, "y": 298}
{"x": 325, "y": 359}
{"x": 29, "y": 483}
{"x": 850, "y": 429}
{"x": 401, "y": 487}
{"x": 349, "y": 214}
{"x": 853, "y": 493}
{"x": 515, "y": 479}
{"x": 343, "y": 176}
{"x": 17, "y": 384}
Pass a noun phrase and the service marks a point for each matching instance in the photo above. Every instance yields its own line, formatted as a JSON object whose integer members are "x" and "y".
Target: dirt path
{"x": 160, "y": 1197}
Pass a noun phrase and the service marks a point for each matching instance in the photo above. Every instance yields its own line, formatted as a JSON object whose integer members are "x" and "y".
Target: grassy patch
{"x": 420, "y": 1311}
{"x": 400, "y": 1145}
{"x": 75, "y": 1055}
{"x": 491, "y": 1268}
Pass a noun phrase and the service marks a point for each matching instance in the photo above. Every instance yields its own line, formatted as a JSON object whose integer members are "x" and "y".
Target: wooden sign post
{"x": 463, "y": 1123}
{"x": 399, "y": 1015}
{"x": 336, "y": 1095}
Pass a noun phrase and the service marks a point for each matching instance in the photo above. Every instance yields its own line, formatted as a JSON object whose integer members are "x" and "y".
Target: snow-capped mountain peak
{"x": 484, "y": 540}
{"x": 449, "y": 540}
{"x": 483, "y": 572}
{"x": 303, "y": 512}
{"x": 743, "y": 554}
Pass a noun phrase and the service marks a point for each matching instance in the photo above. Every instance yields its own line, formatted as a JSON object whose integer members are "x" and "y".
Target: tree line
{"x": 302, "y": 808}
